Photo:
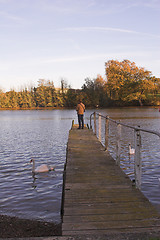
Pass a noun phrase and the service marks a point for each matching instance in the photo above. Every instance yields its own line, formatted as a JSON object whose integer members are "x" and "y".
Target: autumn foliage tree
{"x": 126, "y": 82}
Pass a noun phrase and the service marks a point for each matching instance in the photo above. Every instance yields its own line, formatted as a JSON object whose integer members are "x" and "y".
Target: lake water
{"x": 43, "y": 135}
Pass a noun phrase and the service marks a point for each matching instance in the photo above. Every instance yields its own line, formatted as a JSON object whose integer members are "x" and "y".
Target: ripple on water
{"x": 26, "y": 135}
{"x": 43, "y": 135}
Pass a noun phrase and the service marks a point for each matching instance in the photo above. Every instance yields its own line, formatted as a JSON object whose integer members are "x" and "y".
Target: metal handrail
{"x": 125, "y": 125}
{"x": 137, "y": 130}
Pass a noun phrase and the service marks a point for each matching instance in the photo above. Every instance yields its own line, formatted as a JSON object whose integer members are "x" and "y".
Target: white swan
{"x": 40, "y": 169}
{"x": 131, "y": 150}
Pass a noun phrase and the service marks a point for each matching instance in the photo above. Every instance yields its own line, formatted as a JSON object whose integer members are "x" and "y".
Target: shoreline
{"x": 14, "y": 227}
{"x": 65, "y": 108}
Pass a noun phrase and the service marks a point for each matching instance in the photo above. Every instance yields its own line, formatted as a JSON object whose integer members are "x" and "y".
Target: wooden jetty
{"x": 98, "y": 197}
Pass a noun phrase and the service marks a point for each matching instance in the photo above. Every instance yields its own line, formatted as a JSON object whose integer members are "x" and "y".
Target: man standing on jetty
{"x": 80, "y": 112}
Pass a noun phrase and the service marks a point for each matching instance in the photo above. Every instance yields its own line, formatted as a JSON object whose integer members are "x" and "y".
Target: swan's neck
{"x": 33, "y": 166}
{"x": 129, "y": 147}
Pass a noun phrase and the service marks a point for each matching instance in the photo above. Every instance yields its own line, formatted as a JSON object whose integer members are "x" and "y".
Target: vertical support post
{"x": 72, "y": 124}
{"x": 106, "y": 133}
{"x": 99, "y": 125}
{"x": 137, "y": 159}
{"x": 91, "y": 121}
{"x": 118, "y": 144}
{"x": 95, "y": 127}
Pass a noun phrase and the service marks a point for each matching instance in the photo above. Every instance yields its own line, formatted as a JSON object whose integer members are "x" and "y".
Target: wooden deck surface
{"x": 98, "y": 197}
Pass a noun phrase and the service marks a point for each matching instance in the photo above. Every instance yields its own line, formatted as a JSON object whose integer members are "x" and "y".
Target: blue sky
{"x": 72, "y": 39}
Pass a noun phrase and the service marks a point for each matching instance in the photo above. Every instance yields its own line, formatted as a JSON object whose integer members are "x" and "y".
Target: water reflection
{"x": 34, "y": 185}
{"x": 43, "y": 135}
{"x": 25, "y": 135}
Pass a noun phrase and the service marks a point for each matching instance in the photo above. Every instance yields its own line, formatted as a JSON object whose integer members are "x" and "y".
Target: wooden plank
{"x": 93, "y": 225}
{"x": 98, "y": 196}
{"x": 114, "y": 233}
{"x": 111, "y": 213}
{"x": 104, "y": 217}
{"x": 107, "y": 208}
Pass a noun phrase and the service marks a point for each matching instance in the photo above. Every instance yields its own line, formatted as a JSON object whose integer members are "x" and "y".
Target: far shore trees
{"x": 125, "y": 84}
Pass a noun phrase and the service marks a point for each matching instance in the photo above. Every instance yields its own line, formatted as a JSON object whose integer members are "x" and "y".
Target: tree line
{"x": 125, "y": 84}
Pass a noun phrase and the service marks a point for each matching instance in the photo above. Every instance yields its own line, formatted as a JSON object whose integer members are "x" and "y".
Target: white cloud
{"x": 154, "y": 4}
{"x": 102, "y": 29}
{"x": 105, "y": 29}
{"x": 95, "y": 7}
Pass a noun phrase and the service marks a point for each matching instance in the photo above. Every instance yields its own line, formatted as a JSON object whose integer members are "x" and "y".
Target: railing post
{"x": 137, "y": 159}
{"x": 95, "y": 127}
{"x": 99, "y": 125}
{"x": 118, "y": 144}
{"x": 72, "y": 124}
{"x": 91, "y": 121}
{"x": 106, "y": 133}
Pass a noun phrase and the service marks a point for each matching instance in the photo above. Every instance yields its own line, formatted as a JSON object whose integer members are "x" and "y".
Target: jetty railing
{"x": 137, "y": 134}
